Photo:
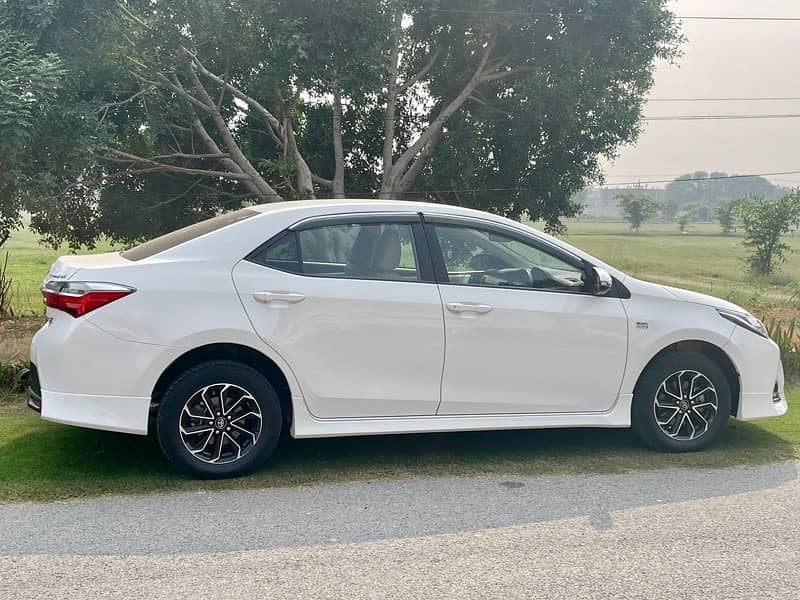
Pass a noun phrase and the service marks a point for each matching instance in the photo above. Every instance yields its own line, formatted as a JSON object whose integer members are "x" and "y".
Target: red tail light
{"x": 80, "y": 297}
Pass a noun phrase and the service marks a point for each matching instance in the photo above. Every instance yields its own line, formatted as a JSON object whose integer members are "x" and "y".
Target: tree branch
{"x": 272, "y": 121}
{"x": 266, "y": 191}
{"x": 422, "y": 72}
{"x": 391, "y": 108}
{"x": 106, "y": 107}
{"x": 435, "y": 127}
{"x": 155, "y": 166}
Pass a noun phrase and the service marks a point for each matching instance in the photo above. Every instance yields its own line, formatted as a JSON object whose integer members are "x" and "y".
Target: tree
{"x": 726, "y": 215}
{"x": 706, "y": 191}
{"x": 204, "y": 104}
{"x": 637, "y": 209}
{"x": 27, "y": 89}
{"x": 764, "y": 222}
{"x": 683, "y": 219}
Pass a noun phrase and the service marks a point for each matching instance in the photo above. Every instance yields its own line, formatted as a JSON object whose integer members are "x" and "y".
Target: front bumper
{"x": 758, "y": 362}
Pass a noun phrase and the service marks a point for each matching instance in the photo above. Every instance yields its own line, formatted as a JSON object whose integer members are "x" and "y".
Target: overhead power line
{"x": 741, "y": 99}
{"x": 604, "y": 185}
{"x": 520, "y": 13}
{"x": 720, "y": 117}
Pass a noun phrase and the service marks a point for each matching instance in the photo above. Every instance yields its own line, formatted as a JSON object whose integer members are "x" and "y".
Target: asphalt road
{"x": 719, "y": 534}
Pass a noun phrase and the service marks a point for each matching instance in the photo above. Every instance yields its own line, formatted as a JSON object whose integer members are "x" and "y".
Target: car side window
{"x": 475, "y": 256}
{"x": 282, "y": 254}
{"x": 353, "y": 250}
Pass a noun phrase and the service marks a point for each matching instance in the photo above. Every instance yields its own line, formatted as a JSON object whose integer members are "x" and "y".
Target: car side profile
{"x": 345, "y": 318}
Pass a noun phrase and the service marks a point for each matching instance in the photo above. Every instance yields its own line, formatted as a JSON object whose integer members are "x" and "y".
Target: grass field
{"x": 44, "y": 461}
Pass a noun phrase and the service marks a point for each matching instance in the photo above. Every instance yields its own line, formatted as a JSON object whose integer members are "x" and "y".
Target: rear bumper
{"x": 34, "y": 390}
{"x": 123, "y": 414}
{"x": 86, "y": 377}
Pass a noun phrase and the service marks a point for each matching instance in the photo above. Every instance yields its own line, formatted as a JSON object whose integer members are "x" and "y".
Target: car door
{"x": 351, "y": 304}
{"x": 522, "y": 335}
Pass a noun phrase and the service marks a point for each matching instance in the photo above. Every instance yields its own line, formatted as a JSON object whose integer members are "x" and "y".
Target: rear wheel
{"x": 219, "y": 419}
{"x": 682, "y": 403}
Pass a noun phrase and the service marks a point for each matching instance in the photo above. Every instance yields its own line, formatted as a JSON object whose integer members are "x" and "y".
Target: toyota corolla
{"x": 345, "y": 318}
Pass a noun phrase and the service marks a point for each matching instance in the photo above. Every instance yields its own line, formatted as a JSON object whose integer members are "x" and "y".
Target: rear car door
{"x": 350, "y": 302}
{"x": 522, "y": 334}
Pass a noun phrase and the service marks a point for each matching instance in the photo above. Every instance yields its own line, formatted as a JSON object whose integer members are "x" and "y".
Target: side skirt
{"x": 306, "y": 426}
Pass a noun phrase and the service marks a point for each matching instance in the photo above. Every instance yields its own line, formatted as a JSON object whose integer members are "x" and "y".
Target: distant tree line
{"x": 698, "y": 196}
{"x": 763, "y": 222}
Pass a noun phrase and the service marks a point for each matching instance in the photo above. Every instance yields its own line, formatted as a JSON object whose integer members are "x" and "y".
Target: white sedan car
{"x": 341, "y": 318}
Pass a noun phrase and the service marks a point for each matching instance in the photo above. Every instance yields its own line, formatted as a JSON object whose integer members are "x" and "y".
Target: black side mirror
{"x": 598, "y": 281}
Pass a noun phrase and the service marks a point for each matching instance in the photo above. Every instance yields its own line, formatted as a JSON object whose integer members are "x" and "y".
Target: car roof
{"x": 368, "y": 205}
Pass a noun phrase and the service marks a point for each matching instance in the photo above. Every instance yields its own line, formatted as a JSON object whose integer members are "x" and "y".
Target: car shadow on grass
{"x": 46, "y": 461}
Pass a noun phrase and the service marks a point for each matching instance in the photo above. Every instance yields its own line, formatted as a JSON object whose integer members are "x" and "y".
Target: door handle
{"x": 464, "y": 307}
{"x": 288, "y": 297}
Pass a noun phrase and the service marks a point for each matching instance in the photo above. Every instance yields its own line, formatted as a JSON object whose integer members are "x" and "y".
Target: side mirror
{"x": 602, "y": 281}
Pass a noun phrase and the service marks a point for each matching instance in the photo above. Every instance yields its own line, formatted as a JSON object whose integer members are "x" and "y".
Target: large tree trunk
{"x": 338, "y": 149}
{"x": 387, "y": 180}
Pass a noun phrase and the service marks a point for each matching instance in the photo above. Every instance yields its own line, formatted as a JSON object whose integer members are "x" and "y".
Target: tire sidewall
{"x": 642, "y": 414}
{"x": 187, "y": 384}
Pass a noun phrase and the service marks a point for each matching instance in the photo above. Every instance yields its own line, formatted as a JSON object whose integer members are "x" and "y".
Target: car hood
{"x": 697, "y": 298}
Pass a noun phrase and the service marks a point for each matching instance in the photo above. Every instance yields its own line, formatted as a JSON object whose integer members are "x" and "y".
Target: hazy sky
{"x": 724, "y": 59}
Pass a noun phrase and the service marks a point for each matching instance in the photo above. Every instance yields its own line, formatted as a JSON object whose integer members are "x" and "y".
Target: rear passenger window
{"x": 282, "y": 254}
{"x": 356, "y": 250}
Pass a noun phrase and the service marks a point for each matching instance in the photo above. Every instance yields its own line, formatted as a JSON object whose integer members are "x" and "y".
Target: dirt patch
{"x": 15, "y": 338}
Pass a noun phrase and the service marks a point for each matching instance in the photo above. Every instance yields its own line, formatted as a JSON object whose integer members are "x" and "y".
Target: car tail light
{"x": 80, "y": 297}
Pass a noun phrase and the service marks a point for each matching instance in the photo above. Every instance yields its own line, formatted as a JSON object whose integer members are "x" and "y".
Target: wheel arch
{"x": 712, "y": 351}
{"x": 226, "y": 351}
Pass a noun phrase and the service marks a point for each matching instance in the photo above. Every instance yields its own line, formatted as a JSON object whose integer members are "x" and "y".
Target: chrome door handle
{"x": 289, "y": 297}
{"x": 462, "y": 307}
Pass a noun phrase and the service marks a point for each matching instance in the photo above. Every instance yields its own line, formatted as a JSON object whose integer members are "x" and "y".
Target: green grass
{"x": 28, "y": 264}
{"x": 703, "y": 260}
{"x": 41, "y": 461}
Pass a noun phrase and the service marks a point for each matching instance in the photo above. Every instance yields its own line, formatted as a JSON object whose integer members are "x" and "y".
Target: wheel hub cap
{"x": 685, "y": 405}
{"x": 220, "y": 423}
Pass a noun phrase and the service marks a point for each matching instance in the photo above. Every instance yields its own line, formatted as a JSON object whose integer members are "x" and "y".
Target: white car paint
{"x": 371, "y": 356}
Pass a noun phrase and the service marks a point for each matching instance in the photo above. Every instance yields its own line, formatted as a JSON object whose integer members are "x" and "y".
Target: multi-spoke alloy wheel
{"x": 220, "y": 418}
{"x": 220, "y": 423}
{"x": 681, "y": 403}
{"x": 685, "y": 405}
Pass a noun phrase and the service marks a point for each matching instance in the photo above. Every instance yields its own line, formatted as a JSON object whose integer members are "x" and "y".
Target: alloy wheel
{"x": 220, "y": 423}
{"x": 685, "y": 405}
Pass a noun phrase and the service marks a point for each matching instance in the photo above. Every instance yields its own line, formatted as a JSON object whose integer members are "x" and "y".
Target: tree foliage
{"x": 683, "y": 219}
{"x": 764, "y": 222}
{"x": 636, "y": 209}
{"x": 705, "y": 192}
{"x": 28, "y": 84}
{"x": 170, "y": 112}
{"x": 726, "y": 215}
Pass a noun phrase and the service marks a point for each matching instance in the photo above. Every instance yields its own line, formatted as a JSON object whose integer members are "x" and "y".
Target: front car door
{"x": 522, "y": 334}
{"x": 351, "y": 304}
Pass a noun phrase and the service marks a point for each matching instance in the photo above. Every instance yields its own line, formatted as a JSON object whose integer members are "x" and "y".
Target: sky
{"x": 723, "y": 59}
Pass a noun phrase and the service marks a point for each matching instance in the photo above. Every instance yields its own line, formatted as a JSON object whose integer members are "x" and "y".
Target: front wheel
{"x": 681, "y": 404}
{"x": 219, "y": 419}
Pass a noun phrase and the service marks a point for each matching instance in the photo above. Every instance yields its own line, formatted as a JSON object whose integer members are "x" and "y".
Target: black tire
{"x": 668, "y": 370}
{"x": 239, "y": 453}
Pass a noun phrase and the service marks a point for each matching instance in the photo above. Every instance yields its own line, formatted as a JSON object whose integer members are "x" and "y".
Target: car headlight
{"x": 745, "y": 320}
